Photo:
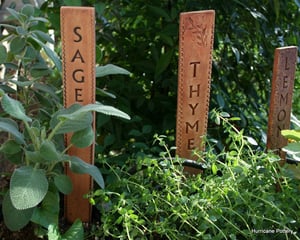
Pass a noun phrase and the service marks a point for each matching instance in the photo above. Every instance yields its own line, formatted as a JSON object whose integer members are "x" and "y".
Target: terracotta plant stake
{"x": 78, "y": 46}
{"x": 281, "y": 97}
{"x": 195, "y": 60}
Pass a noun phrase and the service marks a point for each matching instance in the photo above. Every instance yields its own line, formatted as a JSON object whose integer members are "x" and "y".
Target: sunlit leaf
{"x": 110, "y": 69}
{"x": 75, "y": 232}
{"x": 83, "y": 138}
{"x": 28, "y": 187}
{"x": 291, "y": 134}
{"x": 79, "y": 166}
{"x": 3, "y": 54}
{"x": 11, "y": 127}
{"x": 63, "y": 183}
{"x": 14, "y": 108}
{"x": 97, "y": 107}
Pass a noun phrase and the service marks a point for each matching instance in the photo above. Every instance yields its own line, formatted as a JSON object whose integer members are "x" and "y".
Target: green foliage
{"x": 143, "y": 37}
{"x": 148, "y": 197}
{"x": 293, "y": 137}
{"x": 31, "y": 66}
{"x": 74, "y": 233}
{"x": 35, "y": 132}
{"x": 235, "y": 198}
{"x": 41, "y": 161}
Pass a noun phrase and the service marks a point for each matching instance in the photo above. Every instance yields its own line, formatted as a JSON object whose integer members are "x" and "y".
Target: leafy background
{"x": 142, "y": 36}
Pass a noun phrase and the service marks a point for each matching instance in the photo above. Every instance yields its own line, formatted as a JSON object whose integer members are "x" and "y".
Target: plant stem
{"x": 55, "y": 129}
{"x": 32, "y": 136}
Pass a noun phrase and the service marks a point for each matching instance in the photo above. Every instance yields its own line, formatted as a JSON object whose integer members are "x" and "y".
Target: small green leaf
{"x": 53, "y": 233}
{"x": 48, "y": 211}
{"x": 11, "y": 127}
{"x": 43, "y": 36}
{"x": 47, "y": 90}
{"x": 235, "y": 119}
{"x": 63, "y": 183}
{"x": 292, "y": 148}
{"x": 217, "y": 120}
{"x": 15, "y": 14}
{"x": 50, "y": 53}
{"x": 21, "y": 31}
{"x": 74, "y": 125}
{"x": 75, "y": 232}
{"x": 251, "y": 140}
{"x": 70, "y": 125}
{"x": 15, "y": 219}
{"x": 53, "y": 56}
{"x": 291, "y": 134}
{"x": 83, "y": 138}
{"x": 10, "y": 147}
{"x": 97, "y": 107}
{"x": 28, "y": 10}
{"x": 33, "y": 157}
{"x": 163, "y": 62}
{"x": 220, "y": 100}
{"x": 17, "y": 45}
{"x": 3, "y": 54}
{"x": 214, "y": 168}
{"x": 48, "y": 151}
{"x": 104, "y": 93}
{"x": 28, "y": 187}
{"x": 14, "y": 108}
{"x": 224, "y": 114}
{"x": 79, "y": 166}
{"x": 110, "y": 69}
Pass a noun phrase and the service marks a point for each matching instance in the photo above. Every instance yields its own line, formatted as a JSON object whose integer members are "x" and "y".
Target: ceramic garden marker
{"x": 78, "y": 48}
{"x": 196, "y": 36}
{"x": 281, "y": 97}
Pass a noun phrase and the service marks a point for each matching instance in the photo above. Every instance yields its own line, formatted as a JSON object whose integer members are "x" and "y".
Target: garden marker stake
{"x": 196, "y": 36}
{"x": 281, "y": 97}
{"x": 78, "y": 47}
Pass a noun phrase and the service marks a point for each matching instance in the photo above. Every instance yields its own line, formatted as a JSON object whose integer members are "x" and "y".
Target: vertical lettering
{"x": 286, "y": 64}
{"x": 281, "y": 115}
{"x": 190, "y": 144}
{"x": 195, "y": 68}
{"x": 285, "y": 81}
{"x": 77, "y": 55}
{"x": 188, "y": 125}
{"x": 80, "y": 80}
{"x": 78, "y": 95}
{"x": 193, "y": 108}
{"x": 284, "y": 67}
{"x": 283, "y": 99}
{"x": 197, "y": 90}
{"x": 77, "y": 34}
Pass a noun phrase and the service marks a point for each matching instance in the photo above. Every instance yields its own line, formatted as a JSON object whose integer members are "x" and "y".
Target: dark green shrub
{"x": 143, "y": 37}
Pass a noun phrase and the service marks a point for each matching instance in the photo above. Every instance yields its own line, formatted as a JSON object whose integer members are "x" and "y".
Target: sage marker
{"x": 281, "y": 97}
{"x": 196, "y": 36}
{"x": 78, "y": 48}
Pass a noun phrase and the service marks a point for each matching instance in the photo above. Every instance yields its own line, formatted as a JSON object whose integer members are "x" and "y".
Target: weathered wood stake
{"x": 78, "y": 47}
{"x": 195, "y": 59}
{"x": 281, "y": 97}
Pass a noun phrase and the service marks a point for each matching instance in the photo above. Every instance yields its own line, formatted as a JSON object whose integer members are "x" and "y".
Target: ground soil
{"x": 26, "y": 233}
